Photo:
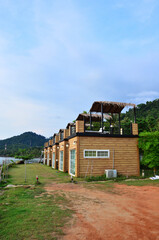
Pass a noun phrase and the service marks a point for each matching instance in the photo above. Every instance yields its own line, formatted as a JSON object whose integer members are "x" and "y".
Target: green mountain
{"x": 26, "y": 142}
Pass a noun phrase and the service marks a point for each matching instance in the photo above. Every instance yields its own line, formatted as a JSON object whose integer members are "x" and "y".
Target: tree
{"x": 149, "y": 143}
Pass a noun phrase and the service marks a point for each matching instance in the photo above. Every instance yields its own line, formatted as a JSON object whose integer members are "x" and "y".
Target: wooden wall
{"x": 79, "y": 126}
{"x": 126, "y": 156}
{"x": 134, "y": 128}
{"x": 66, "y": 133}
{"x": 45, "y": 156}
{"x": 56, "y": 151}
{"x": 49, "y": 161}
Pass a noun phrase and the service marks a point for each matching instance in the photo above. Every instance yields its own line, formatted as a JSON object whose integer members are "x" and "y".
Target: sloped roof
{"x": 109, "y": 107}
{"x": 94, "y": 117}
{"x": 70, "y": 124}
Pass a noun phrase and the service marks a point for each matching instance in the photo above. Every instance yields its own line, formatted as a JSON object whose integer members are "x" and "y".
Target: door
{"x": 72, "y": 161}
{"x": 53, "y": 160}
{"x": 61, "y": 161}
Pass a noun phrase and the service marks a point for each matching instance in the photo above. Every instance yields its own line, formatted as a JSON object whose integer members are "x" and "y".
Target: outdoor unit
{"x": 111, "y": 173}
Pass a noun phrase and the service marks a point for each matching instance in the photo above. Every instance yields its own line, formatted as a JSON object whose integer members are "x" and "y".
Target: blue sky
{"x": 58, "y": 57}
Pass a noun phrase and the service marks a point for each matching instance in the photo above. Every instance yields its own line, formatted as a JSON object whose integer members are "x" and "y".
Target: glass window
{"x": 96, "y": 153}
{"x": 102, "y": 153}
{"x": 61, "y": 161}
{"x": 61, "y": 136}
{"x": 72, "y": 161}
{"x": 53, "y": 160}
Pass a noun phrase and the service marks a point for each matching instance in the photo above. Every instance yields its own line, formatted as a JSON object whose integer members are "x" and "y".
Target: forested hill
{"x": 147, "y": 116}
{"x": 27, "y": 140}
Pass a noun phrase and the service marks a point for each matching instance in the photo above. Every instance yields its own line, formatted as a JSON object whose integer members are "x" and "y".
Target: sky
{"x": 59, "y": 56}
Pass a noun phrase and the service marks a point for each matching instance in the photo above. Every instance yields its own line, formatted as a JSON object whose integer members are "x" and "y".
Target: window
{"x": 72, "y": 162}
{"x": 61, "y": 161}
{"x": 73, "y": 130}
{"x": 96, "y": 153}
{"x": 53, "y": 160}
{"x": 61, "y": 136}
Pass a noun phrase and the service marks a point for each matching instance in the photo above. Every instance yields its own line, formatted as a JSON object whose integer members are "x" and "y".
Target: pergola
{"x": 109, "y": 107}
{"x": 86, "y": 117}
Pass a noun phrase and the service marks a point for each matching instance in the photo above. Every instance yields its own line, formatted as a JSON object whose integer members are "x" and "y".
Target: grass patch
{"x": 31, "y": 214}
{"x": 140, "y": 182}
{"x": 45, "y": 173}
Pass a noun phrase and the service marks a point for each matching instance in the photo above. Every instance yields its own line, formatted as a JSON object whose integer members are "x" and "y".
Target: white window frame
{"x": 97, "y": 150}
{"x": 60, "y": 161}
{"x": 70, "y": 164}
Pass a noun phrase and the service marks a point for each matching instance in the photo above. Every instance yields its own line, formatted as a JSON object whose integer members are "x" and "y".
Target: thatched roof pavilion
{"x": 109, "y": 107}
{"x": 94, "y": 117}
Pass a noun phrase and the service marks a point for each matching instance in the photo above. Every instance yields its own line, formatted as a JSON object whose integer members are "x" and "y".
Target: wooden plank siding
{"x": 134, "y": 128}
{"x": 45, "y": 156}
{"x": 79, "y": 126}
{"x": 49, "y": 160}
{"x": 56, "y": 151}
{"x": 126, "y": 156}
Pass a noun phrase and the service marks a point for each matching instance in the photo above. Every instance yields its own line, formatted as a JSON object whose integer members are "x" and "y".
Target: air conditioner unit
{"x": 111, "y": 173}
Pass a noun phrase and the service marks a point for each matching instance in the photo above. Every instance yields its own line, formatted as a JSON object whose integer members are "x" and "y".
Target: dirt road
{"x": 119, "y": 213}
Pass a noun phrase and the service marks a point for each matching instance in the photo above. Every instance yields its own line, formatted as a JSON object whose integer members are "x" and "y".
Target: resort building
{"x": 97, "y": 141}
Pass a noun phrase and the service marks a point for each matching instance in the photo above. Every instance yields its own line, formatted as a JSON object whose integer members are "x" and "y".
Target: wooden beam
{"x": 119, "y": 123}
{"x": 102, "y": 116}
{"x": 90, "y": 121}
{"x": 134, "y": 115}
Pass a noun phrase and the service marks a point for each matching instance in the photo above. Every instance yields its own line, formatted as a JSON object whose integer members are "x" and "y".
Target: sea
{"x": 10, "y": 159}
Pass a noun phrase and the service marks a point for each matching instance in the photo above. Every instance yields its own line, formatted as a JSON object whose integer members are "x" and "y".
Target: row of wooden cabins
{"x": 81, "y": 150}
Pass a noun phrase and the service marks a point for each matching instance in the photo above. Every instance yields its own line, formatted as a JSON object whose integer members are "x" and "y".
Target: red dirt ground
{"x": 119, "y": 213}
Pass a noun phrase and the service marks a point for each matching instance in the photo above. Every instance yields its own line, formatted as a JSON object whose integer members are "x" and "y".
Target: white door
{"x": 53, "y": 160}
{"x": 72, "y": 161}
{"x": 61, "y": 161}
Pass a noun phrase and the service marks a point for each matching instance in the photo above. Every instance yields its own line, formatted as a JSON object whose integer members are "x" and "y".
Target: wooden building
{"x": 45, "y": 152}
{"x": 55, "y": 151}
{"x": 89, "y": 146}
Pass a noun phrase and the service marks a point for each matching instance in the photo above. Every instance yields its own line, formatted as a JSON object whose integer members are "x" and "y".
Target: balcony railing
{"x": 123, "y": 129}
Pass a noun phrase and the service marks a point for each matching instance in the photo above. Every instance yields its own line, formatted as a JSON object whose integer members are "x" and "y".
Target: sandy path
{"x": 123, "y": 213}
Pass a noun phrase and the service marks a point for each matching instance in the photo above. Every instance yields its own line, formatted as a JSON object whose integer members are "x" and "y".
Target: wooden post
{"x": 102, "y": 116}
{"x": 90, "y": 121}
{"x": 119, "y": 123}
{"x": 134, "y": 115}
{"x": 25, "y": 170}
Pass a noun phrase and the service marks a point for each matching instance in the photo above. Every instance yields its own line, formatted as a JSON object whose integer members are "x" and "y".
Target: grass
{"x": 140, "y": 182}
{"x": 29, "y": 212}
{"x": 45, "y": 173}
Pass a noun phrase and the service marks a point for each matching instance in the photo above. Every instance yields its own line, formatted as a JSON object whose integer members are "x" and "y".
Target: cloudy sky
{"x": 58, "y": 56}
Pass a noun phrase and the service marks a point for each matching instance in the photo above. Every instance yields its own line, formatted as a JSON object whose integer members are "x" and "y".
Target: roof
{"x": 86, "y": 117}
{"x": 61, "y": 130}
{"x": 70, "y": 124}
{"x": 55, "y": 134}
{"x": 109, "y": 107}
{"x": 94, "y": 117}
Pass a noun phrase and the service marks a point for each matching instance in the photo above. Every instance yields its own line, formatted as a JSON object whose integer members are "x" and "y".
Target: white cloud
{"x": 45, "y": 86}
{"x": 143, "y": 97}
